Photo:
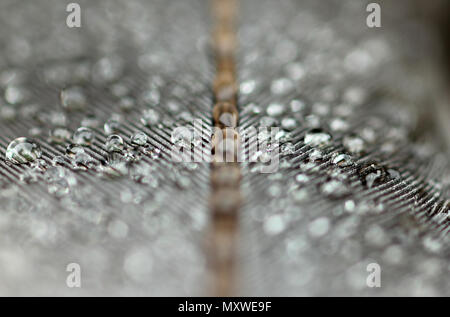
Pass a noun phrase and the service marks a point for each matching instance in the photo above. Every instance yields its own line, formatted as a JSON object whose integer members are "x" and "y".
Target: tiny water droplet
{"x": 73, "y": 98}
{"x": 319, "y": 227}
{"x": 371, "y": 173}
{"x": 126, "y": 104}
{"x": 317, "y": 138}
{"x": 274, "y": 225}
{"x": 275, "y": 109}
{"x": 111, "y": 126}
{"x": 139, "y": 138}
{"x": 342, "y": 160}
{"x": 58, "y": 160}
{"x": 90, "y": 121}
{"x": 281, "y": 86}
{"x": 315, "y": 155}
{"x": 83, "y": 136}
{"x": 335, "y": 189}
{"x": 297, "y": 106}
{"x": 149, "y": 117}
{"x": 288, "y": 124}
{"x": 59, "y": 135}
{"x": 247, "y": 87}
{"x": 301, "y": 178}
{"x": 114, "y": 143}
{"x": 353, "y": 144}
{"x": 73, "y": 149}
{"x": 15, "y": 94}
{"x": 337, "y": 124}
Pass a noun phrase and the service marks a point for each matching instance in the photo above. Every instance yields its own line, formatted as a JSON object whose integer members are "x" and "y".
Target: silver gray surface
{"x": 141, "y": 230}
{"x": 365, "y": 88}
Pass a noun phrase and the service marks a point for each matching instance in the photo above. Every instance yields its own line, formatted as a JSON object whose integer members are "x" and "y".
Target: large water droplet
{"x": 23, "y": 150}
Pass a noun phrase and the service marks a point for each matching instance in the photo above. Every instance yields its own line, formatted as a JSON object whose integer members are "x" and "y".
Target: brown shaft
{"x": 225, "y": 170}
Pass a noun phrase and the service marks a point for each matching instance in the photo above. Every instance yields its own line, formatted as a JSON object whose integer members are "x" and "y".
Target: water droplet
{"x": 315, "y": 155}
{"x": 268, "y": 121}
{"x": 312, "y": 121}
{"x": 107, "y": 69}
{"x": 377, "y": 174}
{"x": 155, "y": 153}
{"x": 320, "y": 109}
{"x": 297, "y": 106}
{"x": 139, "y": 138}
{"x": 57, "y": 118}
{"x": 393, "y": 173}
{"x": 59, "y": 135}
{"x": 118, "y": 229}
{"x": 337, "y": 124}
{"x": 247, "y": 87}
{"x": 263, "y": 136}
{"x": 90, "y": 121}
{"x": 372, "y": 177}
{"x": 319, "y": 227}
{"x": 317, "y": 138}
{"x": 73, "y": 98}
{"x": 295, "y": 71}
{"x": 73, "y": 149}
{"x": 275, "y": 109}
{"x": 58, "y": 188}
{"x": 28, "y": 177}
{"x": 353, "y": 144}
{"x": 342, "y": 160}
{"x": 126, "y": 104}
{"x": 150, "y": 117}
{"x": 114, "y": 143}
{"x": 349, "y": 206}
{"x": 83, "y": 136}
{"x": 58, "y": 160}
{"x": 335, "y": 189}
{"x": 300, "y": 195}
{"x": 274, "y": 225}
{"x": 376, "y": 236}
{"x": 23, "y": 150}
{"x": 111, "y": 126}
{"x": 393, "y": 255}
{"x": 184, "y": 137}
{"x": 138, "y": 264}
{"x": 83, "y": 159}
{"x": 15, "y": 94}
{"x": 302, "y": 178}
{"x": 281, "y": 86}
{"x": 288, "y": 123}
{"x": 7, "y": 112}
{"x": 432, "y": 245}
